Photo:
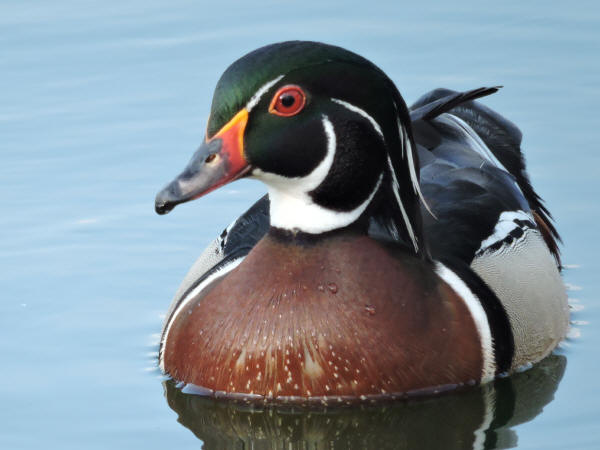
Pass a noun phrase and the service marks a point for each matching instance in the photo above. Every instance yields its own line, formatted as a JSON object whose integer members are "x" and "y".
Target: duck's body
{"x": 325, "y": 294}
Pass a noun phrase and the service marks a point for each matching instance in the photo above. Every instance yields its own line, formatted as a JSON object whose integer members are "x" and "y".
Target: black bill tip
{"x": 163, "y": 207}
{"x": 167, "y": 199}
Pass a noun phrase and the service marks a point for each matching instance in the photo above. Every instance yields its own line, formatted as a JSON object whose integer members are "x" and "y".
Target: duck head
{"x": 324, "y": 128}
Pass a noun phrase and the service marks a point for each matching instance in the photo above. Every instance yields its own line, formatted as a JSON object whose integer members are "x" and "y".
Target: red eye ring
{"x": 288, "y": 101}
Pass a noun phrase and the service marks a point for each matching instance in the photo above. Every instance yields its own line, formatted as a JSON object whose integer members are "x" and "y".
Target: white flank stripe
{"x": 362, "y": 112}
{"x": 257, "y": 96}
{"x": 219, "y": 273}
{"x": 223, "y": 241}
{"x": 479, "y": 317}
{"x": 503, "y": 227}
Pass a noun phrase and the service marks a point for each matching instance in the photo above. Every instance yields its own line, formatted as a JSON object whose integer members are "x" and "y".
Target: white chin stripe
{"x": 301, "y": 213}
{"x": 292, "y": 207}
{"x": 191, "y": 295}
{"x": 479, "y": 317}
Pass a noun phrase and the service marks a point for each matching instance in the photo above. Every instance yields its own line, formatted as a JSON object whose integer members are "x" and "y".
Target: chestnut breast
{"x": 346, "y": 317}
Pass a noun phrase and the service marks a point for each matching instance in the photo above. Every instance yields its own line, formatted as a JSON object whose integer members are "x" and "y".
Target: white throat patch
{"x": 291, "y": 206}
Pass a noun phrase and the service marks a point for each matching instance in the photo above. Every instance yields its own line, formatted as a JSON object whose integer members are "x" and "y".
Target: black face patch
{"x": 357, "y": 166}
{"x": 287, "y": 146}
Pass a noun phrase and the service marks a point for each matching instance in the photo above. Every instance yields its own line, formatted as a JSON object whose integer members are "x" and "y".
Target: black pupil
{"x": 287, "y": 100}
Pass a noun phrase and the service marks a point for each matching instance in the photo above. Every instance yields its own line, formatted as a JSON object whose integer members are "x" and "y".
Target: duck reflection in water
{"x": 481, "y": 417}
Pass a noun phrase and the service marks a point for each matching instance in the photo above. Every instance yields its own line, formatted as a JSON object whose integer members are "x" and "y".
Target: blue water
{"x": 101, "y": 103}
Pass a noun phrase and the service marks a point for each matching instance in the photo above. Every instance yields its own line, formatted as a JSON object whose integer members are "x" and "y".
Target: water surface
{"x": 103, "y": 102}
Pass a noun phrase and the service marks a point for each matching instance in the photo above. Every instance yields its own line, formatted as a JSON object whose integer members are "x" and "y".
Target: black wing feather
{"x": 439, "y": 144}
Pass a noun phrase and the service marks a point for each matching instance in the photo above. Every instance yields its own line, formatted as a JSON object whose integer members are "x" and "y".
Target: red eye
{"x": 288, "y": 101}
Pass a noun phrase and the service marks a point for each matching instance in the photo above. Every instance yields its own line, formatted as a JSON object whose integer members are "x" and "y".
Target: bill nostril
{"x": 210, "y": 158}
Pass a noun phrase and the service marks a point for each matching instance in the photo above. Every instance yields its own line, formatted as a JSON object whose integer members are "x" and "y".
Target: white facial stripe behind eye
{"x": 263, "y": 89}
{"x": 361, "y": 112}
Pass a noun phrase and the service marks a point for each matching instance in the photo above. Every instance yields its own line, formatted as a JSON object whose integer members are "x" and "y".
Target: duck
{"x": 399, "y": 251}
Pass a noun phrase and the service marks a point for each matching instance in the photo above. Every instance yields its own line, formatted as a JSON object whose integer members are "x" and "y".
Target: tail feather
{"x": 444, "y": 104}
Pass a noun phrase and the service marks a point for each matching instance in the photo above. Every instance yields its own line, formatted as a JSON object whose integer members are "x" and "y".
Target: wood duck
{"x": 398, "y": 252}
